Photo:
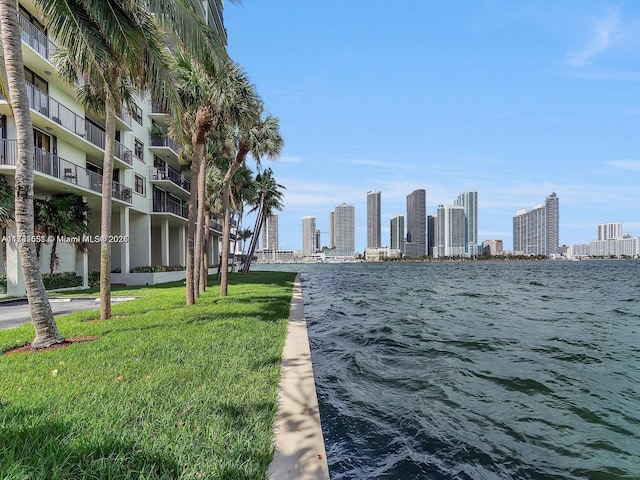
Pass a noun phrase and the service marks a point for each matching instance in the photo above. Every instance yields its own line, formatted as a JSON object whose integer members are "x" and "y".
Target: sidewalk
{"x": 300, "y": 452}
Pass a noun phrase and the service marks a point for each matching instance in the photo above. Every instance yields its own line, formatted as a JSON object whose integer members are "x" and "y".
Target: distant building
{"x": 609, "y": 231}
{"x": 332, "y": 238}
{"x": 416, "y": 244}
{"x": 431, "y": 230}
{"x": 397, "y": 233}
{"x": 536, "y": 232}
{"x": 492, "y": 248}
{"x": 308, "y": 236}
{"x": 344, "y": 230}
{"x": 380, "y": 254}
{"x": 450, "y": 231}
{"x": 469, "y": 200}
{"x": 270, "y": 233}
{"x": 374, "y": 239}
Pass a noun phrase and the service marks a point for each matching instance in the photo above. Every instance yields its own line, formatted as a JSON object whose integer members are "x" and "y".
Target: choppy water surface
{"x": 477, "y": 370}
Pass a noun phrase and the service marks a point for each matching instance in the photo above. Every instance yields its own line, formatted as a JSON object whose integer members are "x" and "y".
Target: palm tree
{"x": 115, "y": 42}
{"x": 116, "y": 46}
{"x": 269, "y": 199}
{"x": 41, "y": 315}
{"x": 61, "y": 215}
{"x": 260, "y": 138}
{"x": 7, "y": 207}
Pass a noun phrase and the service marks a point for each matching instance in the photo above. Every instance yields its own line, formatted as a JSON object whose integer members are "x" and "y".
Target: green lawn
{"x": 165, "y": 392}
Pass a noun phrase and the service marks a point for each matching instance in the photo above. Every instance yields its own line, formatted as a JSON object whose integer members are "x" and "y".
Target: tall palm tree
{"x": 270, "y": 198}
{"x": 41, "y": 315}
{"x": 260, "y": 137}
{"x": 61, "y": 215}
{"x": 195, "y": 88}
{"x": 116, "y": 42}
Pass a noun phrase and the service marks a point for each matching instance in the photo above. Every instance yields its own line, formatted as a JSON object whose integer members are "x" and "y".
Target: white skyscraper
{"x": 450, "y": 231}
{"x": 469, "y": 200}
{"x": 344, "y": 230}
{"x": 308, "y": 236}
{"x": 270, "y": 233}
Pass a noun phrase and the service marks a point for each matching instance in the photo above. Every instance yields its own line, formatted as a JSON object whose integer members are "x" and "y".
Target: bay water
{"x": 477, "y": 370}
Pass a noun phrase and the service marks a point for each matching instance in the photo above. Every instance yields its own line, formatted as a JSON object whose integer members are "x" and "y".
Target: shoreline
{"x": 300, "y": 451}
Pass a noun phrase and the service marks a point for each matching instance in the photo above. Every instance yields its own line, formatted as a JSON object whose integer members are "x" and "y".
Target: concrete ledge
{"x": 300, "y": 452}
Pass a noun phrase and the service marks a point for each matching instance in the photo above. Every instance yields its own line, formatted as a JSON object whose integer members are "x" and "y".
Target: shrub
{"x": 61, "y": 280}
{"x": 158, "y": 269}
{"x": 3, "y": 284}
{"x": 94, "y": 279}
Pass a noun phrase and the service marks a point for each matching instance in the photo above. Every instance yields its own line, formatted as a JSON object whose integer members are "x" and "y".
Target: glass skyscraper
{"x": 374, "y": 239}
{"x": 416, "y": 245}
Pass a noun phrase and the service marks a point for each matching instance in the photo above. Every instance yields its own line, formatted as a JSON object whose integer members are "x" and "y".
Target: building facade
{"x": 374, "y": 239}
{"x": 149, "y": 191}
{"x": 492, "y": 247}
{"x": 536, "y": 232}
{"x": 308, "y": 236}
{"x": 397, "y": 233}
{"x": 344, "y": 230}
{"x": 450, "y": 231}
{"x": 469, "y": 201}
{"x": 270, "y": 233}
{"x": 609, "y": 231}
{"x": 416, "y": 243}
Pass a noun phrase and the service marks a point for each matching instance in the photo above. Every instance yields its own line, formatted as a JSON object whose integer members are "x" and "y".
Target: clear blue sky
{"x": 513, "y": 99}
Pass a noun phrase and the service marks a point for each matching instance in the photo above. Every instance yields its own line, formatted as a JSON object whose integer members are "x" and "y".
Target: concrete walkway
{"x": 16, "y": 312}
{"x": 300, "y": 452}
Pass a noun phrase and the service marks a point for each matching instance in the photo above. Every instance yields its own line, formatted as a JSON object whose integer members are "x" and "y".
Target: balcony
{"x": 166, "y": 205}
{"x": 58, "y": 167}
{"x": 169, "y": 177}
{"x": 50, "y": 108}
{"x": 164, "y": 141}
{"x": 37, "y": 40}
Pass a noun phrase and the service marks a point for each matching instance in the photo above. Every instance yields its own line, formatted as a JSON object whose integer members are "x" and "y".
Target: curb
{"x": 300, "y": 452}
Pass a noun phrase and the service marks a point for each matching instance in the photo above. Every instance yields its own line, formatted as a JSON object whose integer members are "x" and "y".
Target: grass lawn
{"x": 165, "y": 392}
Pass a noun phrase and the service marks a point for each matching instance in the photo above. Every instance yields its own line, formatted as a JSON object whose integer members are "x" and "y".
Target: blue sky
{"x": 513, "y": 99}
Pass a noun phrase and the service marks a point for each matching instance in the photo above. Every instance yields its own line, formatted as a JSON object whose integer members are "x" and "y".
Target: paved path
{"x": 16, "y": 312}
{"x": 300, "y": 452}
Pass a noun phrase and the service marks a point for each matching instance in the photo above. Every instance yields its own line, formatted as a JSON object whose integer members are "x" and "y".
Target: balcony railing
{"x": 170, "y": 174}
{"x": 165, "y": 141}
{"x": 58, "y": 167}
{"x": 170, "y": 206}
{"x": 155, "y": 108}
{"x": 36, "y": 39}
{"x": 50, "y": 108}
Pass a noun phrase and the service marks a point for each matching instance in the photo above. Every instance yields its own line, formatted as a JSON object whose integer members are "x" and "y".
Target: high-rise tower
{"x": 308, "y": 236}
{"x": 469, "y": 200}
{"x": 270, "y": 233}
{"x": 537, "y": 232}
{"x": 344, "y": 230}
{"x": 373, "y": 220}
{"x": 397, "y": 233}
{"x": 416, "y": 223}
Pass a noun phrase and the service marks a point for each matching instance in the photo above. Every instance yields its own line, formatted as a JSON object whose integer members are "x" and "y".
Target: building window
{"x": 136, "y": 113}
{"x": 139, "y": 150}
{"x": 139, "y": 185}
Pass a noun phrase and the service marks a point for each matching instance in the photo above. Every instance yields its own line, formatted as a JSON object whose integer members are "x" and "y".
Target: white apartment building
{"x": 150, "y": 188}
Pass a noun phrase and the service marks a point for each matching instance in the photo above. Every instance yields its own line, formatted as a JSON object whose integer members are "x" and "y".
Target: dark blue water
{"x": 477, "y": 370}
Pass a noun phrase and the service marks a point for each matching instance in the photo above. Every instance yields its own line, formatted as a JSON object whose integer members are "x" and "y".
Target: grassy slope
{"x": 165, "y": 392}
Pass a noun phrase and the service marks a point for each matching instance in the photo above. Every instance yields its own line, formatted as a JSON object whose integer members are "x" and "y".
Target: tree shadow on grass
{"x": 48, "y": 449}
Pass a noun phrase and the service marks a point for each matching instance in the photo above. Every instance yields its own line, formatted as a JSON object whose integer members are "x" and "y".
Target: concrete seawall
{"x": 300, "y": 452}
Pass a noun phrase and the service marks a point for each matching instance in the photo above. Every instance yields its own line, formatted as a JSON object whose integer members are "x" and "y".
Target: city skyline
{"x": 513, "y": 100}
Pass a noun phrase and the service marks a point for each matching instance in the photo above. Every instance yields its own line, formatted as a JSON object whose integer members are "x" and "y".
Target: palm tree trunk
{"x": 243, "y": 150}
{"x": 191, "y": 226}
{"x": 39, "y": 307}
{"x": 204, "y": 276}
{"x": 201, "y": 227}
{"x": 53, "y": 256}
{"x": 254, "y": 238}
{"x": 105, "y": 220}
